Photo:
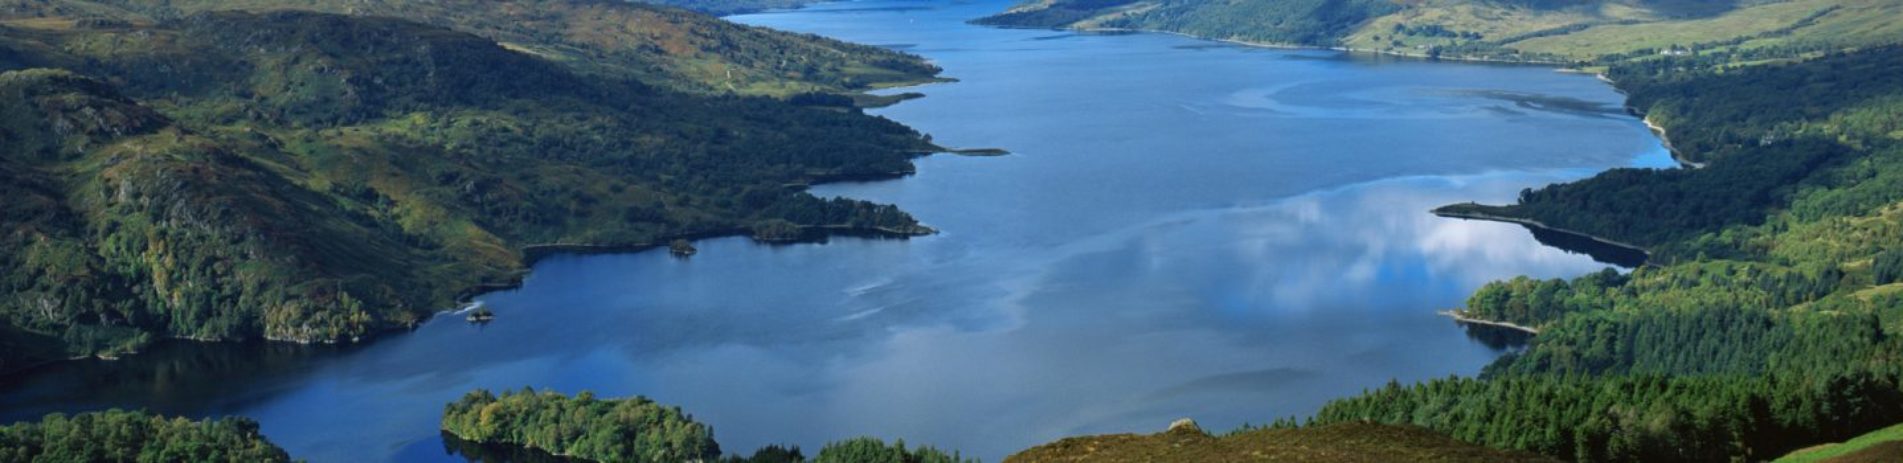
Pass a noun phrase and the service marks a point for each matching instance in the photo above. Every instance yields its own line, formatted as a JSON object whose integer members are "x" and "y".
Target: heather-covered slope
{"x": 1342, "y": 443}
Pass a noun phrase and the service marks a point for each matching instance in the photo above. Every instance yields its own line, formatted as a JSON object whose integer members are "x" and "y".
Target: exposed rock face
{"x": 1185, "y": 424}
{"x": 55, "y": 113}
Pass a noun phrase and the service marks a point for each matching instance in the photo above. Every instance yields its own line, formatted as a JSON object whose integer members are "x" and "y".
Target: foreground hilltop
{"x": 318, "y": 177}
{"x": 660, "y": 46}
{"x": 1340, "y": 443}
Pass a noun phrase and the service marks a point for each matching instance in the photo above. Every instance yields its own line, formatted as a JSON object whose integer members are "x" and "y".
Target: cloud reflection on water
{"x": 1132, "y": 328}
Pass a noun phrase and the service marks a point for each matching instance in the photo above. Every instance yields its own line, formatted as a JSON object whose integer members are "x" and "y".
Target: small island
{"x": 481, "y": 315}
{"x": 634, "y": 429}
{"x": 631, "y": 429}
{"x": 980, "y": 152}
{"x": 681, "y": 248}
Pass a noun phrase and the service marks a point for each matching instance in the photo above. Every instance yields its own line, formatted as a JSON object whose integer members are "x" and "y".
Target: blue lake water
{"x": 1184, "y": 229}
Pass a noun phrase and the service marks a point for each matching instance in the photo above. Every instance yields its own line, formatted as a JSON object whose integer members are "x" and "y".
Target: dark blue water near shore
{"x": 1185, "y": 229}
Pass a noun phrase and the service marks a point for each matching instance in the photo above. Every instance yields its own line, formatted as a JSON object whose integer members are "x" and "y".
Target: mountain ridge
{"x": 1483, "y": 30}
{"x": 662, "y": 46}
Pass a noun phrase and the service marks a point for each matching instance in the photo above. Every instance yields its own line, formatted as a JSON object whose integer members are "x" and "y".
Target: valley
{"x": 212, "y": 208}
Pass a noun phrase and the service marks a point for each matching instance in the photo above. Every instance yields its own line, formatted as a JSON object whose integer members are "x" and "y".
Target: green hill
{"x": 1283, "y": 22}
{"x": 1531, "y": 30}
{"x": 1341, "y": 443}
{"x": 314, "y": 177}
{"x": 660, "y": 46}
{"x": 727, "y": 7}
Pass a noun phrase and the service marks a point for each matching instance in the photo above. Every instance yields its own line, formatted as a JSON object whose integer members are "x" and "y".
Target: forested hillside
{"x": 1772, "y": 316}
{"x": 317, "y": 178}
{"x": 659, "y": 46}
{"x": 1509, "y": 30}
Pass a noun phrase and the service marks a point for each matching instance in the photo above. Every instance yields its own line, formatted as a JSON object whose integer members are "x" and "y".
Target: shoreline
{"x": 1559, "y": 66}
{"x": 1460, "y": 317}
{"x": 1536, "y": 224}
{"x": 533, "y": 253}
{"x": 1659, "y": 131}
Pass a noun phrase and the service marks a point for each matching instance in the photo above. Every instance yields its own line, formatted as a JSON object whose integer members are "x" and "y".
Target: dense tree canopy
{"x": 635, "y": 430}
{"x": 621, "y": 430}
{"x": 127, "y": 437}
{"x": 870, "y": 450}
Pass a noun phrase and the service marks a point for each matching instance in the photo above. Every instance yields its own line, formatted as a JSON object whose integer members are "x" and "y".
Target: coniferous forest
{"x": 1768, "y": 319}
{"x": 122, "y": 436}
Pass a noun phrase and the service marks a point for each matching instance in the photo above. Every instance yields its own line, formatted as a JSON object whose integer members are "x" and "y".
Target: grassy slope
{"x": 657, "y": 45}
{"x": 1875, "y": 441}
{"x": 1842, "y": 21}
{"x": 316, "y": 177}
{"x": 1343, "y": 443}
